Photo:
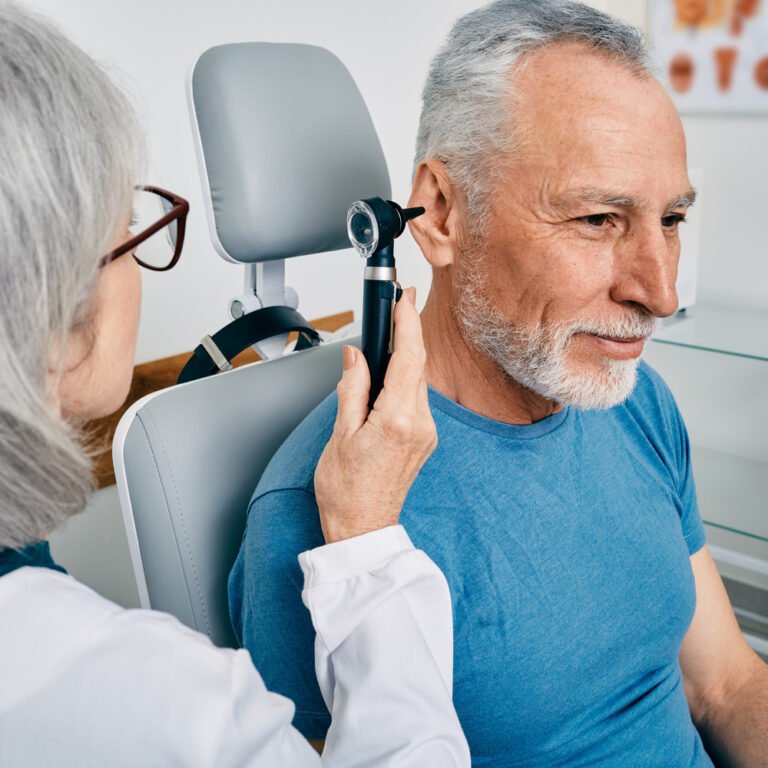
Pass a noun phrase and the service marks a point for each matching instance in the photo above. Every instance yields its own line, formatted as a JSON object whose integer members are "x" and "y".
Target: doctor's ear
{"x": 437, "y": 231}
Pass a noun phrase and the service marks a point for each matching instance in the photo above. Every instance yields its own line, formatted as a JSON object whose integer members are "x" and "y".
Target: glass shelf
{"x": 728, "y": 330}
{"x": 732, "y": 492}
{"x": 724, "y": 401}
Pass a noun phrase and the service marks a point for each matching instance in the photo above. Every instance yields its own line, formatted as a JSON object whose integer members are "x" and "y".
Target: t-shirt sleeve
{"x": 690, "y": 517}
{"x": 268, "y": 615}
{"x": 678, "y": 450}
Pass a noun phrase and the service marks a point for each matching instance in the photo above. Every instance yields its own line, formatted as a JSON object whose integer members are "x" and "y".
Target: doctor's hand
{"x": 372, "y": 459}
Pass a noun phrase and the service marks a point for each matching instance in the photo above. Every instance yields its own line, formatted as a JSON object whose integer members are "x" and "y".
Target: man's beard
{"x": 537, "y": 357}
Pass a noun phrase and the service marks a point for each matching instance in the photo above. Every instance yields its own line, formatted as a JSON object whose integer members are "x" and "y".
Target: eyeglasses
{"x": 159, "y": 218}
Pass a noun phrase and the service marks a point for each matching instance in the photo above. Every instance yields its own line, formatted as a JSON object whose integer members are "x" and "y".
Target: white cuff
{"x": 353, "y": 557}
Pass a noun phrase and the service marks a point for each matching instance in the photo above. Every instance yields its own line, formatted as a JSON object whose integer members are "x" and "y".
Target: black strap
{"x": 242, "y": 333}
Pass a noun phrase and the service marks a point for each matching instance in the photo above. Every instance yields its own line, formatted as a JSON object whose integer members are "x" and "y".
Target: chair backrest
{"x": 187, "y": 460}
{"x": 285, "y": 144}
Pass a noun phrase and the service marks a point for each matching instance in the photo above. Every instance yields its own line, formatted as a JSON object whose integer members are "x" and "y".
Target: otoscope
{"x": 372, "y": 226}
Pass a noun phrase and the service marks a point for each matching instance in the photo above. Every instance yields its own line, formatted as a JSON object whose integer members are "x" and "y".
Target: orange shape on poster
{"x": 681, "y": 70}
{"x": 725, "y": 59}
{"x": 691, "y": 12}
{"x": 747, "y": 8}
{"x": 744, "y": 9}
{"x": 761, "y": 73}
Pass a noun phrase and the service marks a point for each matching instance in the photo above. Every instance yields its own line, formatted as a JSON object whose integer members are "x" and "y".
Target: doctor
{"x": 82, "y": 681}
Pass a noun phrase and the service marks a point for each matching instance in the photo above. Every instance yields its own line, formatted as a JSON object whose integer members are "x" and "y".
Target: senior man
{"x": 591, "y": 626}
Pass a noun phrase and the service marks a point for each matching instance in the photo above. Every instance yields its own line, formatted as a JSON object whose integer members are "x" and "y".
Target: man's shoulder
{"x": 652, "y": 414}
{"x": 293, "y": 466}
{"x": 651, "y": 393}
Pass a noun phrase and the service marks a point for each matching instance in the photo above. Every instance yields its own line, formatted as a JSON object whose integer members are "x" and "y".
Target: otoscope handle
{"x": 379, "y": 297}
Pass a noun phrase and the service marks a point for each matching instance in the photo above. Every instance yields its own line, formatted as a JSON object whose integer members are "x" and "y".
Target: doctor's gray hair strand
{"x": 70, "y": 154}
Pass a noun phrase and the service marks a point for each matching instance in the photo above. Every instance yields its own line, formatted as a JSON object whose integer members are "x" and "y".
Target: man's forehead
{"x": 619, "y": 198}
{"x": 570, "y": 90}
{"x": 588, "y": 130}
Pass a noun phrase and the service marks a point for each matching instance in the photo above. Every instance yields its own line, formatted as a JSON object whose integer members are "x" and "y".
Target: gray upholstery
{"x": 187, "y": 460}
{"x": 287, "y": 144}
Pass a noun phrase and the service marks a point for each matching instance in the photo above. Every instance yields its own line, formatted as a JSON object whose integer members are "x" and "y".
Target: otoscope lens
{"x": 362, "y": 228}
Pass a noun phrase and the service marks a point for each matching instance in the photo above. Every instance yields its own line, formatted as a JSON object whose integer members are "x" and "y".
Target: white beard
{"x": 537, "y": 357}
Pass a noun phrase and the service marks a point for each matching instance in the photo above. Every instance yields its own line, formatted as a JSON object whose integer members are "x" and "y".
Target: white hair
{"x": 466, "y": 118}
{"x": 70, "y": 154}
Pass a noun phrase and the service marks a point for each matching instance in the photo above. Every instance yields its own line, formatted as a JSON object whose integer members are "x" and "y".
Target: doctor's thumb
{"x": 352, "y": 391}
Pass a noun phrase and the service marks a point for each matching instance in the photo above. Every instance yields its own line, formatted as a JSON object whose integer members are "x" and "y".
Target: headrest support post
{"x": 264, "y": 286}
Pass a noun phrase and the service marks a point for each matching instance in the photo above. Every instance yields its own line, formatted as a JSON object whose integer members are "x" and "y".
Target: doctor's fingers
{"x": 402, "y": 382}
{"x": 404, "y": 432}
{"x": 422, "y": 403}
{"x": 402, "y": 424}
{"x": 402, "y": 409}
{"x": 352, "y": 393}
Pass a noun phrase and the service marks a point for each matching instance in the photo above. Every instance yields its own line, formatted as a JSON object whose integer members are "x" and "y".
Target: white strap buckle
{"x": 221, "y": 362}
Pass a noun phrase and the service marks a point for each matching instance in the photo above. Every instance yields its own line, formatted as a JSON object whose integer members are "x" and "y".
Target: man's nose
{"x": 646, "y": 270}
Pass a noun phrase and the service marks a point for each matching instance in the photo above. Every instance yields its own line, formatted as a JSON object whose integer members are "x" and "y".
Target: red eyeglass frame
{"x": 178, "y": 212}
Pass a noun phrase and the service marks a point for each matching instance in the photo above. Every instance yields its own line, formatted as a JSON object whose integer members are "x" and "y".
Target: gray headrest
{"x": 286, "y": 143}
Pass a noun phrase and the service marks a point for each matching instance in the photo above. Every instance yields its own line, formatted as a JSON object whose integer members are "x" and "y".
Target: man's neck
{"x": 470, "y": 378}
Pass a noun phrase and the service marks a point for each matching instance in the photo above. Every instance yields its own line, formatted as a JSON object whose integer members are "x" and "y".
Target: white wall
{"x": 733, "y": 152}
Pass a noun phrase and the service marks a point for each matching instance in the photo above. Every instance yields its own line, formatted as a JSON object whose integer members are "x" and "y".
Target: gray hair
{"x": 466, "y": 119}
{"x": 70, "y": 154}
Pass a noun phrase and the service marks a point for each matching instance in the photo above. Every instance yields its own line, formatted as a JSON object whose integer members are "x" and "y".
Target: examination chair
{"x": 285, "y": 144}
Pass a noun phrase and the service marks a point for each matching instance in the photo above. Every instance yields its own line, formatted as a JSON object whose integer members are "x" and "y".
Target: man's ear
{"x": 437, "y": 230}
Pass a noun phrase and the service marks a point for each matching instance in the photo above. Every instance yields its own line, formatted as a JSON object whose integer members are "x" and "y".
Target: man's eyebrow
{"x": 686, "y": 201}
{"x": 602, "y": 196}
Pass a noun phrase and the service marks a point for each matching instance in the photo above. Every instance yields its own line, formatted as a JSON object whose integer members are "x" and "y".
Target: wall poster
{"x": 712, "y": 54}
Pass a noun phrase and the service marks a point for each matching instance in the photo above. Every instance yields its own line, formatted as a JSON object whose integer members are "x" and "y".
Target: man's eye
{"x": 672, "y": 220}
{"x": 596, "y": 219}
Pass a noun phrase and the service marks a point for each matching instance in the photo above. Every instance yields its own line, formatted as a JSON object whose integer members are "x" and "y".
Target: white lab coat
{"x": 85, "y": 683}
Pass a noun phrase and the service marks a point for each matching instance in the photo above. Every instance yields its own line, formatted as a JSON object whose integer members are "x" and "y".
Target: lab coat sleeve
{"x": 383, "y": 653}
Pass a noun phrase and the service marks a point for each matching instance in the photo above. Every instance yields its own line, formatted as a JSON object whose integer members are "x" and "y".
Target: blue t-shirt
{"x": 566, "y": 545}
